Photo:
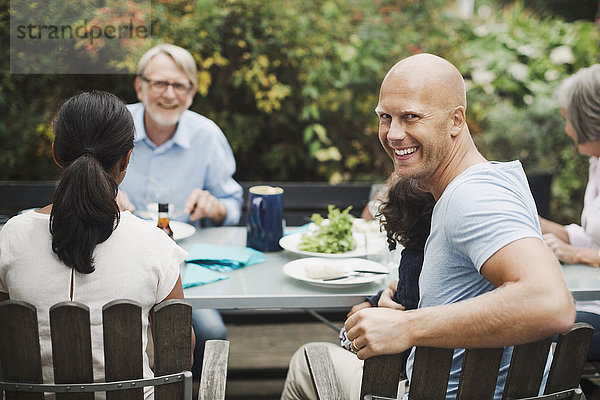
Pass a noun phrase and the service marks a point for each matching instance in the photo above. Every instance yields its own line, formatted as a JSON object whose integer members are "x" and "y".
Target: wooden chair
{"x": 479, "y": 372}
{"x": 72, "y": 360}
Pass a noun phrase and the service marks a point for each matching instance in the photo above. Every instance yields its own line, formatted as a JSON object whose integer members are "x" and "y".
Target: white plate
{"x": 295, "y": 269}
{"x": 359, "y": 225}
{"x": 27, "y": 210}
{"x": 290, "y": 242}
{"x": 181, "y": 230}
{"x": 366, "y": 243}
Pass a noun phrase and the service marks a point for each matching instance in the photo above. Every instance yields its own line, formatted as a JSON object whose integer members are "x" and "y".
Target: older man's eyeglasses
{"x": 161, "y": 86}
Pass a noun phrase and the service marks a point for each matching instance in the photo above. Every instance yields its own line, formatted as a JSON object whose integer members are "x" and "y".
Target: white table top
{"x": 264, "y": 285}
{"x": 583, "y": 281}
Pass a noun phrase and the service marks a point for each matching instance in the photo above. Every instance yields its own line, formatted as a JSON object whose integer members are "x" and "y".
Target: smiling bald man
{"x": 488, "y": 279}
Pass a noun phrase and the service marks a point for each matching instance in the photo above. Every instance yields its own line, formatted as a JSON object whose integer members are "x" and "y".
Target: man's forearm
{"x": 511, "y": 314}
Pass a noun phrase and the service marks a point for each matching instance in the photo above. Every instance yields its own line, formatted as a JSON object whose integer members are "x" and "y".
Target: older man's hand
{"x": 202, "y": 204}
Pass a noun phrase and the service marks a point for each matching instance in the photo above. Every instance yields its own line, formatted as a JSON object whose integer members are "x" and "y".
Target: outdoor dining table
{"x": 265, "y": 286}
{"x": 583, "y": 281}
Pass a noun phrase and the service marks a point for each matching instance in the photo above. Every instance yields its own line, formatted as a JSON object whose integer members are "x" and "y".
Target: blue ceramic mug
{"x": 265, "y": 218}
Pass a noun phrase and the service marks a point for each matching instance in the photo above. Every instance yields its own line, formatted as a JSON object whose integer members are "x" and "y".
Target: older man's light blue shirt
{"x": 197, "y": 156}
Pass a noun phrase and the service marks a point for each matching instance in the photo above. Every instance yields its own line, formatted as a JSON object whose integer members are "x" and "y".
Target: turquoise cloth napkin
{"x": 297, "y": 229}
{"x": 195, "y": 275}
{"x": 223, "y": 258}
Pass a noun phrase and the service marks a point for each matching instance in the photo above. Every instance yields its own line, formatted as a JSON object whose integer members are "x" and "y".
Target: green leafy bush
{"x": 293, "y": 84}
{"x": 514, "y": 62}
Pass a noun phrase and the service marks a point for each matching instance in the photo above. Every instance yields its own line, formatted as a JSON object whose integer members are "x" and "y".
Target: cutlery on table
{"x": 354, "y": 273}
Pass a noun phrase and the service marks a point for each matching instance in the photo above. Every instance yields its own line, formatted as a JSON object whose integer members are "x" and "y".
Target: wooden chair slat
{"x": 430, "y": 383}
{"x": 122, "y": 331}
{"x": 171, "y": 329}
{"x": 72, "y": 351}
{"x": 20, "y": 347}
{"x": 214, "y": 370}
{"x": 569, "y": 358}
{"x": 381, "y": 375}
{"x": 479, "y": 373}
{"x": 71, "y": 347}
{"x": 526, "y": 369}
{"x": 571, "y": 394}
{"x": 323, "y": 374}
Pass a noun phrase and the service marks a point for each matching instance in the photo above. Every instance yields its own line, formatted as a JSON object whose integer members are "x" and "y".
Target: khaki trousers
{"x": 348, "y": 368}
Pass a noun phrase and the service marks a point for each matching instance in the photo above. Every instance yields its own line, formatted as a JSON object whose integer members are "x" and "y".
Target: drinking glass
{"x": 156, "y": 194}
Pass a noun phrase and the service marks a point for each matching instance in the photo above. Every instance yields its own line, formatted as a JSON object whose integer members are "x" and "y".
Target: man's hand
{"x": 358, "y": 307}
{"x": 123, "y": 202}
{"x": 202, "y": 204}
{"x": 386, "y": 299}
{"x": 375, "y": 331}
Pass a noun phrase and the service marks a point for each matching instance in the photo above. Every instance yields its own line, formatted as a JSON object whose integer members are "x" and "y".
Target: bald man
{"x": 488, "y": 279}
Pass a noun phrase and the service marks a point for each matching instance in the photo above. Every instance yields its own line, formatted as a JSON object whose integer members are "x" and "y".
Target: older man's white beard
{"x": 163, "y": 120}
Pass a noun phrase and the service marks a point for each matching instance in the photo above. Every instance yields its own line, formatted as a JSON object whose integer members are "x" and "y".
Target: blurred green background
{"x": 293, "y": 84}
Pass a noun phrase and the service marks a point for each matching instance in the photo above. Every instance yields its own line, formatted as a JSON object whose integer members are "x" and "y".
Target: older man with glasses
{"x": 182, "y": 158}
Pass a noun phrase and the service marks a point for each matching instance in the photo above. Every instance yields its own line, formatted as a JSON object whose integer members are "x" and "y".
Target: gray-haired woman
{"x": 579, "y": 101}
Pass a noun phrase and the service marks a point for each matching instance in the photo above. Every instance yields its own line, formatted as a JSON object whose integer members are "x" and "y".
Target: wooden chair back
{"x": 72, "y": 351}
{"x": 431, "y": 369}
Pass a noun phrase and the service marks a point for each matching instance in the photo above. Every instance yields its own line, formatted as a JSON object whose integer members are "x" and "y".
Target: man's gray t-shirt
{"x": 485, "y": 208}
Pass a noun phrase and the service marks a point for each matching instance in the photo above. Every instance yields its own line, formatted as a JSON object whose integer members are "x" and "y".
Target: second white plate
{"x": 290, "y": 242}
{"x": 296, "y": 269}
{"x": 366, "y": 243}
{"x": 181, "y": 230}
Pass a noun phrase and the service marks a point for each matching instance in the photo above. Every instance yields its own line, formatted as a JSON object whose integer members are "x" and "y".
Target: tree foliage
{"x": 515, "y": 61}
{"x": 293, "y": 84}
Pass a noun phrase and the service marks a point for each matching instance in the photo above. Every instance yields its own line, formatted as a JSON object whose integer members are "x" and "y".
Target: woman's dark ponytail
{"x": 93, "y": 132}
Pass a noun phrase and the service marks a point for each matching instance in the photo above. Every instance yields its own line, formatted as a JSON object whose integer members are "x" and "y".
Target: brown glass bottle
{"x": 163, "y": 218}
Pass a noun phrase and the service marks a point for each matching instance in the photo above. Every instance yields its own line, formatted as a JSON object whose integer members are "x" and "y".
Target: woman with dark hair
{"x": 406, "y": 217}
{"x": 80, "y": 247}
